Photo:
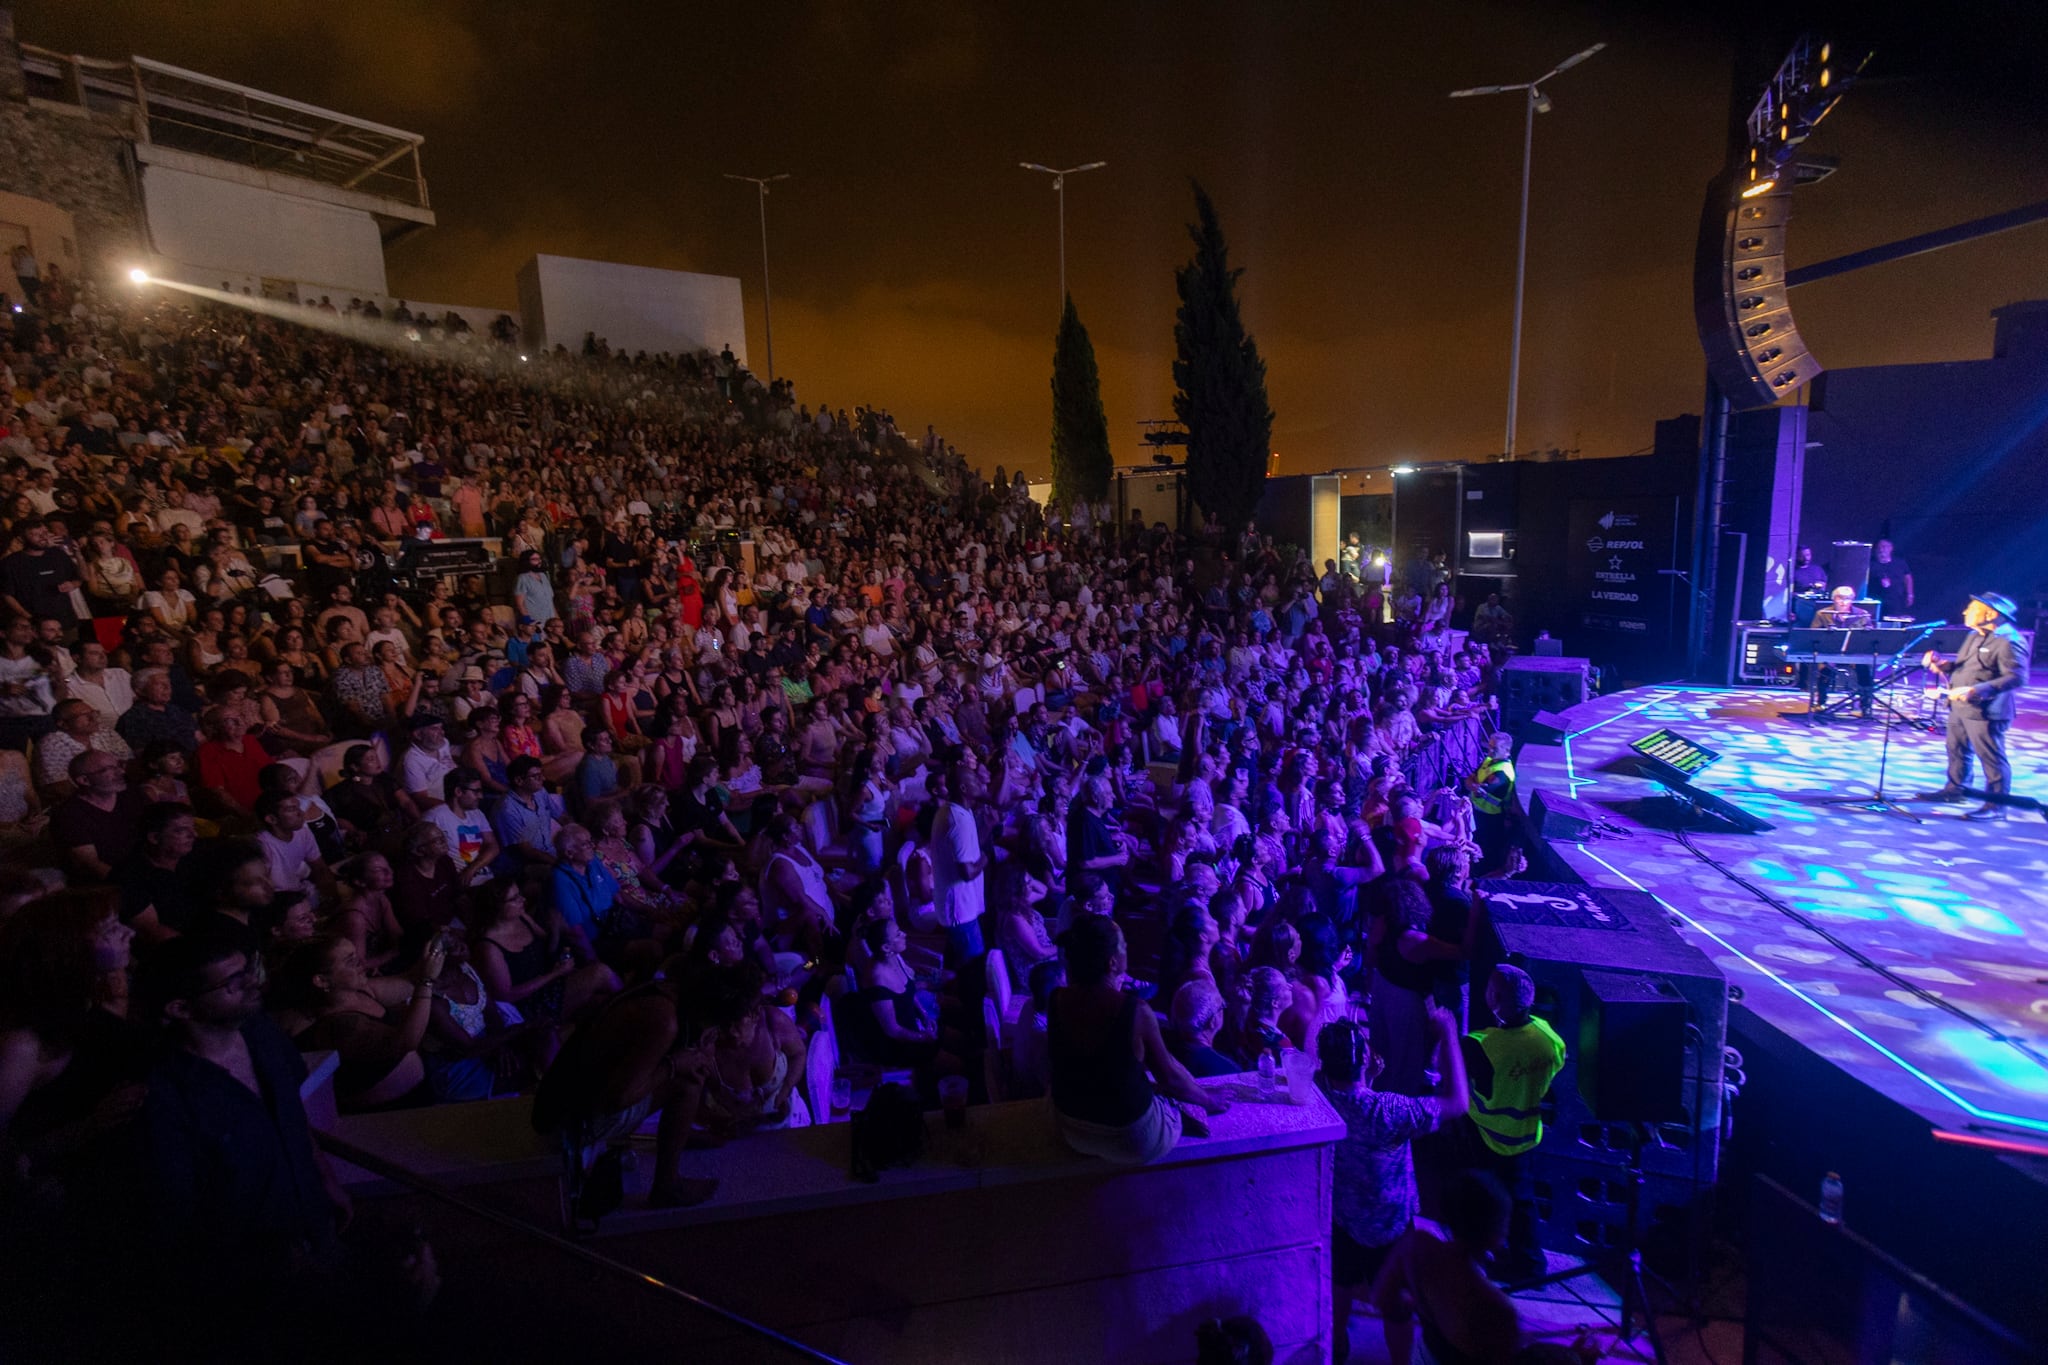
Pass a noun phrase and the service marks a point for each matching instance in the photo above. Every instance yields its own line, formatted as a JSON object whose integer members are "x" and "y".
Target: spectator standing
{"x": 958, "y": 864}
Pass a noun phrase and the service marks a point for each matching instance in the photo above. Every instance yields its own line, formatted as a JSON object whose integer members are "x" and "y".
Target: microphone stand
{"x": 1880, "y": 804}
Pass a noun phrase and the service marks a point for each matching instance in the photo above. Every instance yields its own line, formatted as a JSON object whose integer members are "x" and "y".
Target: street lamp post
{"x": 1534, "y": 102}
{"x": 1059, "y": 188}
{"x": 761, "y": 183}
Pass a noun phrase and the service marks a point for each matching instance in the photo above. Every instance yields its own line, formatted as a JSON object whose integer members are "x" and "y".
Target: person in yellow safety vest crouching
{"x": 1510, "y": 1068}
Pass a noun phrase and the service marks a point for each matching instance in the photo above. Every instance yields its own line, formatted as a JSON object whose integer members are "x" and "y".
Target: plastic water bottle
{"x": 1831, "y": 1199}
{"x": 1269, "y": 1084}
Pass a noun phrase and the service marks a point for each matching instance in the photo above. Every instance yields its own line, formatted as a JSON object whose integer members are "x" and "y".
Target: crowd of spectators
{"x": 749, "y": 720}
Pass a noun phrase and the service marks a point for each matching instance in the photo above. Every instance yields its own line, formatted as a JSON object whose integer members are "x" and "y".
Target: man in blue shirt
{"x": 585, "y": 890}
{"x": 528, "y": 819}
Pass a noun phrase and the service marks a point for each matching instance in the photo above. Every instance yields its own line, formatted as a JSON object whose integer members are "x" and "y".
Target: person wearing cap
{"x": 1983, "y": 685}
{"x": 427, "y": 761}
{"x": 1510, "y": 1068}
{"x": 472, "y": 695}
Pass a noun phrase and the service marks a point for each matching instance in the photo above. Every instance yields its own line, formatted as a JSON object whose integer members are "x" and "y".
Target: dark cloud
{"x": 915, "y": 266}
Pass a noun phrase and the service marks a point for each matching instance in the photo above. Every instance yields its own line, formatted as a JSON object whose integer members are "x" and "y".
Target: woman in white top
{"x": 171, "y": 604}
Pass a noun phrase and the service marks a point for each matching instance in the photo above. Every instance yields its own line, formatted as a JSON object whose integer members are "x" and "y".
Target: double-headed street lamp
{"x": 1059, "y": 188}
{"x": 1535, "y": 102}
{"x": 761, "y": 183}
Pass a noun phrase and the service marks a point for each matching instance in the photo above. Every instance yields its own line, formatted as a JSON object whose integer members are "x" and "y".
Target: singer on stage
{"x": 1982, "y": 680}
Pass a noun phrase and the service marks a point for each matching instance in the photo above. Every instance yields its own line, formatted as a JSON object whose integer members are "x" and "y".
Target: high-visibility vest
{"x": 1483, "y": 800}
{"x": 1525, "y": 1061}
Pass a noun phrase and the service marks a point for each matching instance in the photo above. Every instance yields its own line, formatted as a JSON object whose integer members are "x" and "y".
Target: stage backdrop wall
{"x": 1597, "y": 587}
{"x": 1949, "y": 461}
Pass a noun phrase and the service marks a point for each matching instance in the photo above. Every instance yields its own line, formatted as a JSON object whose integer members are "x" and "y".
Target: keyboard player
{"x": 1842, "y": 613}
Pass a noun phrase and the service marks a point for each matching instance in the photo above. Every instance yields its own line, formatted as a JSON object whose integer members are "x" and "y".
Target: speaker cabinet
{"x": 1753, "y": 348}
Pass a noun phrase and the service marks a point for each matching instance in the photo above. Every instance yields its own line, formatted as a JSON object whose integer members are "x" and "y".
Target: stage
{"x": 1949, "y": 917}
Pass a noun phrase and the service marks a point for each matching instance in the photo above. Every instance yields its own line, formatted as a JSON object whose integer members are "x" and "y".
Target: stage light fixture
{"x": 1402, "y": 469}
{"x": 1760, "y": 187}
{"x": 138, "y": 276}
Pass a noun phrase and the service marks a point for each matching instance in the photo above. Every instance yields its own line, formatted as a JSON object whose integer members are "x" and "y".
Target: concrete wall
{"x": 75, "y": 160}
{"x": 205, "y": 230}
{"x": 633, "y": 307}
{"x": 1000, "y": 1246}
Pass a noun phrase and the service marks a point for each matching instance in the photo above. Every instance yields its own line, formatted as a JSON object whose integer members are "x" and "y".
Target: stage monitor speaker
{"x": 1753, "y": 348}
{"x": 1529, "y": 685}
{"x": 1562, "y": 933}
{"x": 1545, "y": 727}
{"x": 1562, "y": 818}
{"x": 1849, "y": 562}
{"x": 1632, "y": 1048}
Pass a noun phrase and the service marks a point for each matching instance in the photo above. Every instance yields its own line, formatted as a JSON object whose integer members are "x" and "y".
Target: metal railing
{"x": 618, "y": 1270}
{"x": 1449, "y": 756}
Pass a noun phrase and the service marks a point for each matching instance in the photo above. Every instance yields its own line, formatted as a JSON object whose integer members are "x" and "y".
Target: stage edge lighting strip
{"x": 1932, "y": 1083}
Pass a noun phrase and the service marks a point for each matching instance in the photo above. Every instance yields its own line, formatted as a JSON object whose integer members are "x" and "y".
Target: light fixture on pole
{"x": 761, "y": 183}
{"x": 1535, "y": 102}
{"x": 1059, "y": 188}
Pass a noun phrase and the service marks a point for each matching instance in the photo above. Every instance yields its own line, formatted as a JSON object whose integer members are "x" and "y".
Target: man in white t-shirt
{"x": 471, "y": 841}
{"x": 427, "y": 760}
{"x": 958, "y": 864}
{"x": 289, "y": 848}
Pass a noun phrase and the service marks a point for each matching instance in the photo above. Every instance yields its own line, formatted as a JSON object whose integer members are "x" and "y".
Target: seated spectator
{"x": 289, "y": 847}
{"x": 888, "y": 1020}
{"x": 1116, "y": 1090}
{"x": 647, "y": 1051}
{"x": 426, "y": 886}
{"x": 326, "y": 983}
{"x": 529, "y": 820}
{"x": 155, "y": 716}
{"x": 77, "y": 730}
{"x": 155, "y": 881}
{"x": 1197, "y": 1016}
{"x": 229, "y": 760}
{"x": 425, "y": 765}
{"x": 460, "y": 817}
{"x": 363, "y": 913}
{"x": 585, "y": 892}
{"x": 100, "y": 823}
{"x": 366, "y": 801}
{"x": 70, "y": 1058}
{"x": 1030, "y": 1062}
{"x": 757, "y": 1067}
{"x": 1020, "y": 927}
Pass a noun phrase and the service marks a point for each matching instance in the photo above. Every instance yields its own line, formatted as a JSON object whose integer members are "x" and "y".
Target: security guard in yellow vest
{"x": 1491, "y": 788}
{"x": 1510, "y": 1068}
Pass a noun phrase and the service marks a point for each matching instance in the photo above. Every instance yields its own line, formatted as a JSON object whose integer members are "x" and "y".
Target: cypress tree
{"x": 1080, "y": 429}
{"x": 1221, "y": 380}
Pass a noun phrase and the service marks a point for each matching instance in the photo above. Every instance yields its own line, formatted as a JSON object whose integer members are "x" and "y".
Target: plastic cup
{"x": 953, "y": 1100}
{"x": 1301, "y": 1070}
{"x": 842, "y": 1096}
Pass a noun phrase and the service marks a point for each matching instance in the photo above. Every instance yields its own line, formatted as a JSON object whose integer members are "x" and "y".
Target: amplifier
{"x": 1760, "y": 656}
{"x": 1621, "y": 987}
{"x": 1529, "y": 685}
{"x": 1560, "y": 817}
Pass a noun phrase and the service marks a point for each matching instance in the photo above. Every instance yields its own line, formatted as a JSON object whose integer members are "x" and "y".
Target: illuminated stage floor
{"x": 1957, "y": 909}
